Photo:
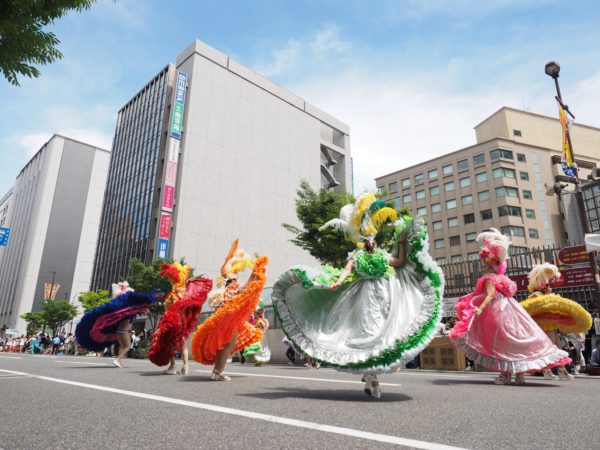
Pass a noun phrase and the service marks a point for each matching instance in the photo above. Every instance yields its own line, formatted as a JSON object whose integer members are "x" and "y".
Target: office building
{"x": 502, "y": 181}
{"x": 53, "y": 214}
{"x": 208, "y": 151}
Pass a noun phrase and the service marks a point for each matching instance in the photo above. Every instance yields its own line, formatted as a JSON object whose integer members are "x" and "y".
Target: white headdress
{"x": 541, "y": 275}
{"x": 494, "y": 251}
{"x": 120, "y": 288}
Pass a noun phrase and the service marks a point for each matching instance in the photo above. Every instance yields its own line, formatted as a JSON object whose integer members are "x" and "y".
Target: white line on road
{"x": 246, "y": 374}
{"x": 10, "y": 357}
{"x": 61, "y": 361}
{"x": 259, "y": 416}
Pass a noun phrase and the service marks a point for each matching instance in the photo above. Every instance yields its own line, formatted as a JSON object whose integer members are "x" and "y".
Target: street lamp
{"x": 552, "y": 69}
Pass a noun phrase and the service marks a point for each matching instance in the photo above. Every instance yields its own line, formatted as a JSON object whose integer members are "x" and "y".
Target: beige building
{"x": 500, "y": 182}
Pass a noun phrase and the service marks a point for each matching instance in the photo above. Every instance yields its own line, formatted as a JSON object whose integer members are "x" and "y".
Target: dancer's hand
{"x": 334, "y": 286}
{"x": 478, "y": 311}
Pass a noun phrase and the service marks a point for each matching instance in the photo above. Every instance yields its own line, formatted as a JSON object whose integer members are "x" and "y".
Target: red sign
{"x": 568, "y": 277}
{"x": 165, "y": 226}
{"x": 168, "y": 196}
{"x": 521, "y": 281}
{"x": 171, "y": 173}
{"x": 573, "y": 255}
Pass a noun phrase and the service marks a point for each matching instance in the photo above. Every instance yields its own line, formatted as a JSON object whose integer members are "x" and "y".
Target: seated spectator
{"x": 595, "y": 359}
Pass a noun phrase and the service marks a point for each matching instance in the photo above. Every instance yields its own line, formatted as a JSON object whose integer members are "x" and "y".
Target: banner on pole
{"x": 568, "y": 164}
{"x": 47, "y": 294}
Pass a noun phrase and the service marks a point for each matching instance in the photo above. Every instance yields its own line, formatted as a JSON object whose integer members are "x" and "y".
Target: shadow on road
{"x": 103, "y": 366}
{"x": 486, "y": 382}
{"x": 354, "y": 395}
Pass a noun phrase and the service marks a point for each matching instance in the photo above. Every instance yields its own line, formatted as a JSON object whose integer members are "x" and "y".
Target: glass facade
{"x": 591, "y": 198}
{"x": 126, "y": 223}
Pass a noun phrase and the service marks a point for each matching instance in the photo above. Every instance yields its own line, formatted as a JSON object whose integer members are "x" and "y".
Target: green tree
{"x": 92, "y": 299}
{"x": 23, "y": 41}
{"x": 35, "y": 321}
{"x": 57, "y": 313}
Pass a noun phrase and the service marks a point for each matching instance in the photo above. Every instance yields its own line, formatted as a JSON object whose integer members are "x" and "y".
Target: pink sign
{"x": 168, "y": 196}
{"x": 165, "y": 226}
{"x": 171, "y": 173}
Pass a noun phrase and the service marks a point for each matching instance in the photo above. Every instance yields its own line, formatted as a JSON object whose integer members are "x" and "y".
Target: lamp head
{"x": 552, "y": 69}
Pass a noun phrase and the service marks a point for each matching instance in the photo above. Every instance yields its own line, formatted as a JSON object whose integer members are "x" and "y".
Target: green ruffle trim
{"x": 253, "y": 349}
{"x": 328, "y": 276}
{"x": 372, "y": 264}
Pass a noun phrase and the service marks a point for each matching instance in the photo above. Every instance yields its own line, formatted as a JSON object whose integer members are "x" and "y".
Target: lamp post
{"x": 552, "y": 69}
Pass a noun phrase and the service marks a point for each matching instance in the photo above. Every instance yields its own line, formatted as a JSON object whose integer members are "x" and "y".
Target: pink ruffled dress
{"x": 504, "y": 338}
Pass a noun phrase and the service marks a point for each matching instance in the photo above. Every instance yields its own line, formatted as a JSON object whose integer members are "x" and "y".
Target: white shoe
{"x": 117, "y": 363}
{"x": 502, "y": 379}
{"x": 520, "y": 379}
{"x": 376, "y": 392}
{"x": 548, "y": 375}
{"x": 564, "y": 375}
{"x": 183, "y": 370}
{"x": 171, "y": 371}
{"x": 368, "y": 379}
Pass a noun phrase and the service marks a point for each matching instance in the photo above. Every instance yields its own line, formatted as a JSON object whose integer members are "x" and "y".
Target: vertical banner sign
{"x": 50, "y": 295}
{"x": 4, "y": 234}
{"x": 172, "y": 159}
{"x": 568, "y": 165}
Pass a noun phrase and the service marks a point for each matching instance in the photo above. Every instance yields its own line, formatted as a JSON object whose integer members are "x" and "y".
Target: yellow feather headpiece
{"x": 541, "y": 275}
{"x": 236, "y": 261}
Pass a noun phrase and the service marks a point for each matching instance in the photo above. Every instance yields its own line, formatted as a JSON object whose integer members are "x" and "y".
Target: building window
{"x": 524, "y": 176}
{"x": 437, "y": 226}
{"x": 471, "y": 237}
{"x": 436, "y": 207}
{"x": 441, "y": 260}
{"x": 501, "y": 153}
{"x": 447, "y": 170}
{"x": 513, "y": 231}
{"x": 473, "y": 256}
{"x": 527, "y": 194}
{"x": 407, "y": 198}
{"x": 507, "y": 210}
{"x": 393, "y": 187}
{"x": 452, "y": 222}
{"x": 422, "y": 211}
{"x": 420, "y": 195}
{"x": 451, "y": 204}
{"x": 469, "y": 218}
{"x": 483, "y": 195}
{"x": 405, "y": 183}
{"x": 454, "y": 241}
{"x": 478, "y": 159}
{"x": 467, "y": 200}
{"x": 434, "y": 190}
{"x": 463, "y": 164}
{"x": 456, "y": 258}
{"x": 397, "y": 203}
{"x": 481, "y": 177}
{"x": 507, "y": 191}
{"x": 516, "y": 250}
{"x": 439, "y": 243}
{"x": 533, "y": 233}
{"x": 530, "y": 213}
{"x": 380, "y": 189}
{"x": 517, "y": 133}
{"x": 521, "y": 157}
{"x": 464, "y": 182}
{"x": 433, "y": 173}
{"x": 449, "y": 186}
{"x": 486, "y": 214}
{"x": 419, "y": 178}
{"x": 500, "y": 172}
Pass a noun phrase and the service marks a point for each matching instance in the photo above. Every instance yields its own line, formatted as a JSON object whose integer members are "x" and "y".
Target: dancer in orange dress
{"x": 228, "y": 331}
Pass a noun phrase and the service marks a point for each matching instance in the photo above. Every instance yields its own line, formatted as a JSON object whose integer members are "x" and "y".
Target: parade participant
{"x": 110, "y": 323}
{"x": 493, "y": 330}
{"x": 376, "y": 314}
{"x": 184, "y": 304}
{"x": 553, "y": 312}
{"x": 228, "y": 331}
{"x": 260, "y": 350}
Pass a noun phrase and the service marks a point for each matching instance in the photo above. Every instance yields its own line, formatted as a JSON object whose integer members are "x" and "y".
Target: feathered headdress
{"x": 120, "y": 288}
{"x": 494, "y": 249}
{"x": 541, "y": 275}
{"x": 176, "y": 273}
{"x": 363, "y": 219}
{"x": 236, "y": 261}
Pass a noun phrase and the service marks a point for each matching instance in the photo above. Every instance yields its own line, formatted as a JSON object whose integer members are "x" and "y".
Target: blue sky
{"x": 410, "y": 77}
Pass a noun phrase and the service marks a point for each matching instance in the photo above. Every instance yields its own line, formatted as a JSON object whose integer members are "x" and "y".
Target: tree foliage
{"x": 57, "y": 313}
{"x": 23, "y": 41}
{"x": 92, "y": 299}
{"x": 35, "y": 321}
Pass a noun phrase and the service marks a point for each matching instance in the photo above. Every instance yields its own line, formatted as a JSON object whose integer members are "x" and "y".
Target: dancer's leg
{"x": 221, "y": 359}
{"x": 185, "y": 358}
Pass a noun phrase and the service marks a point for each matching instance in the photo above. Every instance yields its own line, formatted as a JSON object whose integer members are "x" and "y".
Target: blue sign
{"x": 163, "y": 248}
{"x": 177, "y": 118}
{"x": 4, "y": 233}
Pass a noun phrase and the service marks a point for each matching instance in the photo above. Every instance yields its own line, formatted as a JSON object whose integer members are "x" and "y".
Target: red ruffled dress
{"x": 504, "y": 338}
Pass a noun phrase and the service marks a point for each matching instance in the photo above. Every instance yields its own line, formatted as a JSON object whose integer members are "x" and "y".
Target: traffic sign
{"x": 4, "y": 233}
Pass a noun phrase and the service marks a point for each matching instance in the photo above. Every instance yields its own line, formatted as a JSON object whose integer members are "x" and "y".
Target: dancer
{"x": 260, "y": 350}
{"x": 382, "y": 310}
{"x": 493, "y": 330}
{"x": 553, "y": 312}
{"x": 184, "y": 304}
{"x": 228, "y": 331}
{"x": 111, "y": 323}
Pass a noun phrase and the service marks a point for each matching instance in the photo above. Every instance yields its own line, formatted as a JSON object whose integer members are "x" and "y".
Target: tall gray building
{"x": 209, "y": 151}
{"x": 53, "y": 212}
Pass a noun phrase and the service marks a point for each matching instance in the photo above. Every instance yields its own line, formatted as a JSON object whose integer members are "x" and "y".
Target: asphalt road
{"x": 85, "y": 402}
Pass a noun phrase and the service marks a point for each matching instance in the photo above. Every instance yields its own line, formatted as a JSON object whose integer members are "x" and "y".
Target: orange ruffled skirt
{"x": 218, "y": 330}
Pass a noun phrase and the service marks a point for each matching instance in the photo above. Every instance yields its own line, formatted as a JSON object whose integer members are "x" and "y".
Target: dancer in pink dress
{"x": 493, "y": 329}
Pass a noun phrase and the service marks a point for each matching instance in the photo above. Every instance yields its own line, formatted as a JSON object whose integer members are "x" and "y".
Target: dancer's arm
{"x": 344, "y": 274}
{"x": 401, "y": 259}
{"x": 490, "y": 290}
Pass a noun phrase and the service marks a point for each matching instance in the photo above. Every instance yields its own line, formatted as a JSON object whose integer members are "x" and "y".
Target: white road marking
{"x": 247, "y": 374}
{"x": 61, "y": 361}
{"x": 10, "y": 357}
{"x": 258, "y": 416}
